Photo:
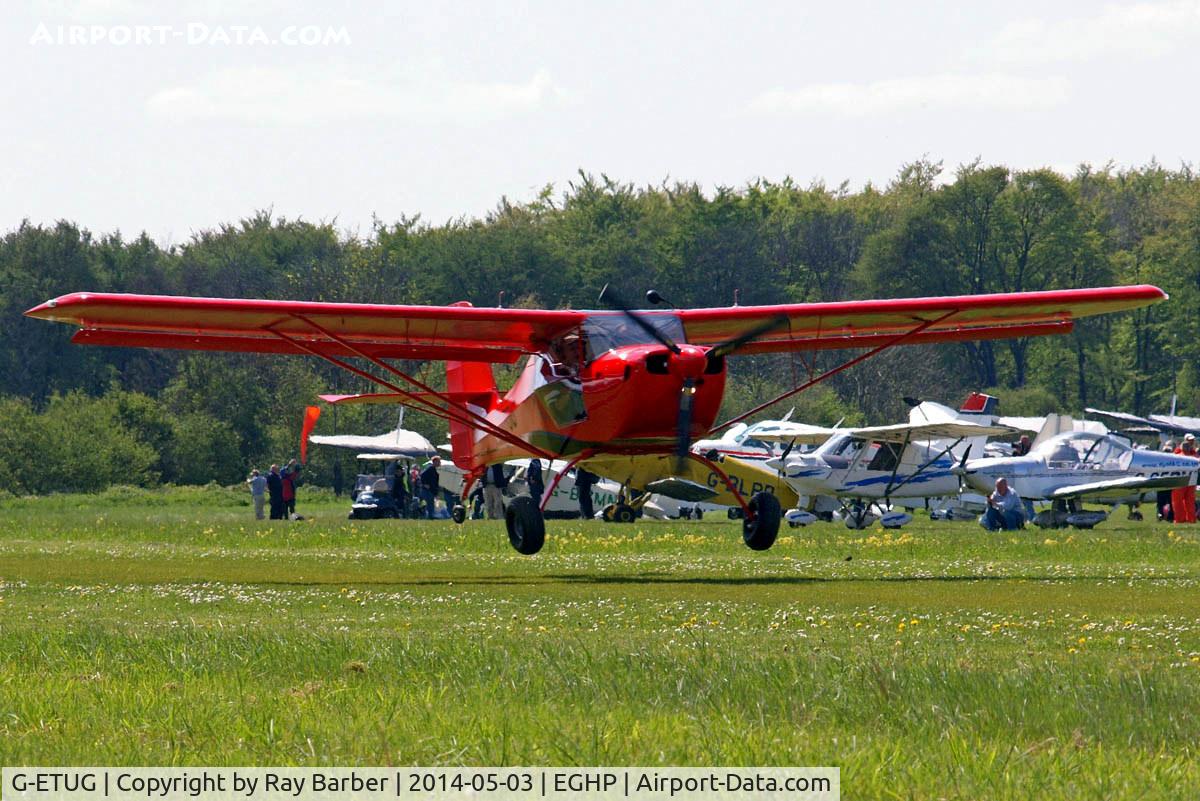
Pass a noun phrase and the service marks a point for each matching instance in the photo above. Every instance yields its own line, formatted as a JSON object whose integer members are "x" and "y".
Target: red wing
{"x": 859, "y": 324}
{"x": 255, "y": 326}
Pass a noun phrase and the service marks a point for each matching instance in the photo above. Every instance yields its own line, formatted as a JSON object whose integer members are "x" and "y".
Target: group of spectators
{"x": 416, "y": 488}
{"x": 278, "y": 488}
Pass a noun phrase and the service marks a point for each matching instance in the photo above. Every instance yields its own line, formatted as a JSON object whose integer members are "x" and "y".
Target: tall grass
{"x": 939, "y": 663}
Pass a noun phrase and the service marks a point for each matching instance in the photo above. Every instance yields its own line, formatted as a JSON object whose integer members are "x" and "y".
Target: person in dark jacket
{"x": 275, "y": 493}
{"x": 583, "y": 485}
{"x": 431, "y": 484}
{"x": 534, "y": 476}
{"x": 399, "y": 489}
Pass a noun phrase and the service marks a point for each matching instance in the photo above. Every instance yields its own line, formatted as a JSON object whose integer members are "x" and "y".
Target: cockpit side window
{"x": 886, "y": 458}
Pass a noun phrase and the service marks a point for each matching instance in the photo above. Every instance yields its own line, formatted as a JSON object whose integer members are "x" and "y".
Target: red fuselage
{"x": 625, "y": 400}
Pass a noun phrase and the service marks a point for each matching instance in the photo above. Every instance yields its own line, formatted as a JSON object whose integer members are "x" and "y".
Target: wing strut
{"x": 896, "y": 340}
{"x": 921, "y": 469}
{"x": 452, "y": 412}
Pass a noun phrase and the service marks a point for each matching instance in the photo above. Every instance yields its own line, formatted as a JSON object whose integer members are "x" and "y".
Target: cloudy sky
{"x": 126, "y": 115}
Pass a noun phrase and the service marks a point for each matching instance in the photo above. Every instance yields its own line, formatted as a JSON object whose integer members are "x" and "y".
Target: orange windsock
{"x": 311, "y": 415}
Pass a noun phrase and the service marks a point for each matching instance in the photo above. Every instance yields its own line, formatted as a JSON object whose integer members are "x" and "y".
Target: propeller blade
{"x": 746, "y": 337}
{"x": 961, "y": 470}
{"x": 609, "y": 296}
{"x": 784, "y": 455}
{"x": 962, "y": 463}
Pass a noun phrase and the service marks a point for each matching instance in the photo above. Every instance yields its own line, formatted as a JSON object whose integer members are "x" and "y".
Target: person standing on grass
{"x": 431, "y": 484}
{"x": 533, "y": 475}
{"x": 1004, "y": 512}
{"x": 275, "y": 492}
{"x": 1183, "y": 499}
{"x": 494, "y": 482}
{"x": 258, "y": 490}
{"x": 583, "y": 486}
{"x": 399, "y": 489}
{"x": 290, "y": 476}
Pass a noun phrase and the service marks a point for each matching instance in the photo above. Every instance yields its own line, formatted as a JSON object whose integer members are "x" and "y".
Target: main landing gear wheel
{"x": 458, "y": 514}
{"x": 606, "y": 514}
{"x": 526, "y": 526}
{"x": 759, "y": 533}
{"x": 623, "y": 513}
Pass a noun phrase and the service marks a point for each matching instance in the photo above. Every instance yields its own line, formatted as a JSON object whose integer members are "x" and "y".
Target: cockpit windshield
{"x": 605, "y": 331}
{"x": 1077, "y": 449}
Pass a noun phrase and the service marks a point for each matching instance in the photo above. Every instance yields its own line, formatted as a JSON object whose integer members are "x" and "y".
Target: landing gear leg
{"x": 526, "y": 526}
{"x": 760, "y": 516}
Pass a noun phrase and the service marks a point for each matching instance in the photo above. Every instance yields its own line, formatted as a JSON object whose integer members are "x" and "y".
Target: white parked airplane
{"x": 879, "y": 464}
{"x": 1074, "y": 465}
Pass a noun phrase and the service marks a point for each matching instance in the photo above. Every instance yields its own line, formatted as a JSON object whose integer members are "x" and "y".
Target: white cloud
{"x": 929, "y": 92}
{"x": 288, "y": 97}
{"x": 1145, "y": 29}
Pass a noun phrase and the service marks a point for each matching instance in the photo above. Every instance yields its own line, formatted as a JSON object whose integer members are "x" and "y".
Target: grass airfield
{"x": 938, "y": 662}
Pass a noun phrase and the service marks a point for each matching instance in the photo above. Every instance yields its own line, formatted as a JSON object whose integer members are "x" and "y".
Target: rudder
{"x": 471, "y": 384}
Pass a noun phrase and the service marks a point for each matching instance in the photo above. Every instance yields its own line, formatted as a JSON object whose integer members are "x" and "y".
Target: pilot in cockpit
{"x": 564, "y": 357}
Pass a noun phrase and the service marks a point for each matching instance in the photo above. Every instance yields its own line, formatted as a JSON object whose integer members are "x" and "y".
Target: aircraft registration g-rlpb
{"x": 596, "y": 384}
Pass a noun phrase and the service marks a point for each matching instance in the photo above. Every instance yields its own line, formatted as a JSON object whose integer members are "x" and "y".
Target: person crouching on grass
{"x": 1005, "y": 511}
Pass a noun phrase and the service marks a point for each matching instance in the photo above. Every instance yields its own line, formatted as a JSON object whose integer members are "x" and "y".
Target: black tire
{"x": 699, "y": 514}
{"x": 736, "y": 513}
{"x": 458, "y": 514}
{"x": 526, "y": 526}
{"x": 623, "y": 513}
{"x": 606, "y": 514}
{"x": 759, "y": 534}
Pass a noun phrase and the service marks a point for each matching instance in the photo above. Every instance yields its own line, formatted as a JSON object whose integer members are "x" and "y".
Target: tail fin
{"x": 471, "y": 384}
{"x": 979, "y": 404}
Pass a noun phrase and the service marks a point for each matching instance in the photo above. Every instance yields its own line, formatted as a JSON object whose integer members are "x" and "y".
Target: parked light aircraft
{"x": 880, "y": 464}
{"x": 1075, "y": 465}
{"x": 596, "y": 384}
{"x": 1166, "y": 426}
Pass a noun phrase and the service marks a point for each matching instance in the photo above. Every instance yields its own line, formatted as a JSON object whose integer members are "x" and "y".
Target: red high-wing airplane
{"x": 597, "y": 384}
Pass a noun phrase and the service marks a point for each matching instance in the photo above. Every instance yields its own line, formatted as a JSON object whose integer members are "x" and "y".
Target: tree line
{"x": 76, "y": 418}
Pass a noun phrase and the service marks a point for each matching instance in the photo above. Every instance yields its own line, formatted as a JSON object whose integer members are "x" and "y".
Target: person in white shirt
{"x": 1005, "y": 510}
{"x": 258, "y": 489}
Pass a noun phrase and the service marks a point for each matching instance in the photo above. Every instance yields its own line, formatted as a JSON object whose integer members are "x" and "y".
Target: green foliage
{"x": 989, "y": 229}
{"x": 78, "y": 444}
